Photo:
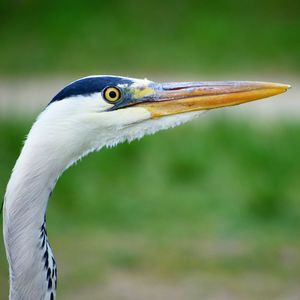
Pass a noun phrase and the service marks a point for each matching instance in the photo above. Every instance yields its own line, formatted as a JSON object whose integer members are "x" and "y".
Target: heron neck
{"x": 31, "y": 262}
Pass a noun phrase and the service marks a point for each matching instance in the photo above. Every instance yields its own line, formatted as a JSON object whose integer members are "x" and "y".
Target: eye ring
{"x": 112, "y": 94}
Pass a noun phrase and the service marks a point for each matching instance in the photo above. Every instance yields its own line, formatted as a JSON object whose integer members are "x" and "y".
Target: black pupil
{"x": 112, "y": 94}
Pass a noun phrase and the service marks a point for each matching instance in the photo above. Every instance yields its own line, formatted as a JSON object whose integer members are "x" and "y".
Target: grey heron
{"x": 85, "y": 116}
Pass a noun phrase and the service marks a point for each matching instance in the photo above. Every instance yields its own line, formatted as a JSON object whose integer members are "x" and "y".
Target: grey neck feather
{"x": 33, "y": 273}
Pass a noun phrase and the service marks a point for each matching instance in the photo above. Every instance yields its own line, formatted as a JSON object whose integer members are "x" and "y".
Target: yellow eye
{"x": 112, "y": 94}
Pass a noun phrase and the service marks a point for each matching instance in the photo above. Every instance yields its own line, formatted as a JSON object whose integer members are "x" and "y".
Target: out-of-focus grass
{"x": 169, "y": 36}
{"x": 219, "y": 198}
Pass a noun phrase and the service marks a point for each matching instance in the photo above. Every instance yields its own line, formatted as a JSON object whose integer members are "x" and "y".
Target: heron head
{"x": 104, "y": 110}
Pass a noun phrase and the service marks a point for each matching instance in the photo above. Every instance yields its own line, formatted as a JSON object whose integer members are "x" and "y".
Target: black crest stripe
{"x": 89, "y": 85}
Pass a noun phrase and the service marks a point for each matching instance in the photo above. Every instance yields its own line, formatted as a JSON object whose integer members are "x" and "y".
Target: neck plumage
{"x": 32, "y": 266}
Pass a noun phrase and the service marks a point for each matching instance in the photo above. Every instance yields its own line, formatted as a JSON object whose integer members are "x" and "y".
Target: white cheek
{"x": 114, "y": 127}
{"x": 151, "y": 126}
{"x": 122, "y": 118}
{"x": 79, "y": 104}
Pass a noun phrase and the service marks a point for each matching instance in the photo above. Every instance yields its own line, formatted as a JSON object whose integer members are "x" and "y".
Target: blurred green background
{"x": 209, "y": 210}
{"x": 150, "y": 36}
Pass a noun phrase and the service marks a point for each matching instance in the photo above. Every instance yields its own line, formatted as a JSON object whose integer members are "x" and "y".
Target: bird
{"x": 86, "y": 115}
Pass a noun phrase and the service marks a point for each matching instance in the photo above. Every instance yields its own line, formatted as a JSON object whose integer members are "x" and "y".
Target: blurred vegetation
{"x": 154, "y": 36}
{"x": 218, "y": 197}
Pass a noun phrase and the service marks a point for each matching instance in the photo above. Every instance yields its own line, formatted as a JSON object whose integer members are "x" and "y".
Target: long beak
{"x": 175, "y": 98}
